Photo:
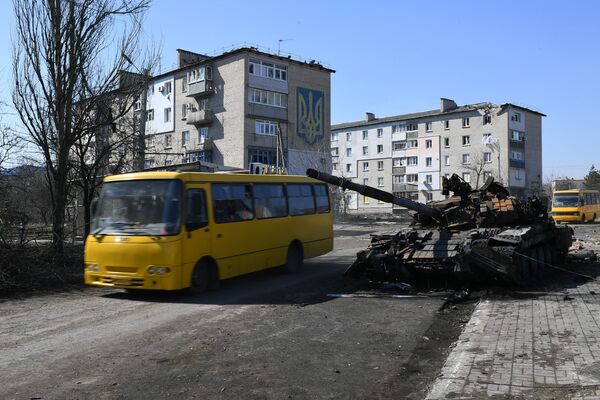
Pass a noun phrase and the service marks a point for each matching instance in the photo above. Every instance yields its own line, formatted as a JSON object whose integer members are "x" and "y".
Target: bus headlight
{"x": 151, "y": 270}
{"x": 158, "y": 270}
{"x": 93, "y": 267}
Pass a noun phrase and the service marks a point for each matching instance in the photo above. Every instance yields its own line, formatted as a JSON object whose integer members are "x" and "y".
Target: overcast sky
{"x": 395, "y": 57}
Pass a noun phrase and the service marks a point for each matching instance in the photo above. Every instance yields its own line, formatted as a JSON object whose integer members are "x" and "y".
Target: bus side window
{"x": 232, "y": 202}
{"x": 196, "y": 210}
{"x": 269, "y": 201}
{"x": 322, "y": 198}
{"x": 301, "y": 200}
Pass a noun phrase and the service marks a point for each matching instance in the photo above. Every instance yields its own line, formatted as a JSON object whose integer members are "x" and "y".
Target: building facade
{"x": 410, "y": 154}
{"x": 237, "y": 108}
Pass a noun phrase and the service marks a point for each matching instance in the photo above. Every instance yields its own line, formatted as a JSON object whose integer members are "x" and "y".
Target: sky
{"x": 396, "y": 57}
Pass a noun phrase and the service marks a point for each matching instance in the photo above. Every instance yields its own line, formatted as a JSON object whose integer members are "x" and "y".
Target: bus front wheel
{"x": 204, "y": 277}
{"x": 294, "y": 259}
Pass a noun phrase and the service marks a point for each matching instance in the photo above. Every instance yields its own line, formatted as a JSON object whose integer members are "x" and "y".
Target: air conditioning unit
{"x": 161, "y": 89}
{"x": 258, "y": 168}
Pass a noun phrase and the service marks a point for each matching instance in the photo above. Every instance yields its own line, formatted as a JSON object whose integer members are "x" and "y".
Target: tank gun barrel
{"x": 374, "y": 193}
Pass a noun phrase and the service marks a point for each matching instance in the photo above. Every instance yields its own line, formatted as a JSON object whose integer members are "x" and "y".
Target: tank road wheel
{"x": 294, "y": 258}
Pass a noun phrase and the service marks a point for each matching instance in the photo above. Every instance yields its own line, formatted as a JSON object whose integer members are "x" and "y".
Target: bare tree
{"x": 479, "y": 167}
{"x": 66, "y": 57}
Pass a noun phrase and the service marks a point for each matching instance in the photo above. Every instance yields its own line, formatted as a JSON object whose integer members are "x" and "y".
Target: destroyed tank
{"x": 482, "y": 234}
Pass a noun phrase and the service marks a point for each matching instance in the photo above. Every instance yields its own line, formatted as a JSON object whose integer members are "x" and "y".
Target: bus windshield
{"x": 140, "y": 207}
{"x": 565, "y": 200}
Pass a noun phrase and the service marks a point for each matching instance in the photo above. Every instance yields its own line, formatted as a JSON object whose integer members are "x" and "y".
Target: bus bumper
{"x": 154, "y": 282}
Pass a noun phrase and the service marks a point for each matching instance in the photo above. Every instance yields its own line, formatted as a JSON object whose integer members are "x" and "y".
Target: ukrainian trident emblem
{"x": 311, "y": 115}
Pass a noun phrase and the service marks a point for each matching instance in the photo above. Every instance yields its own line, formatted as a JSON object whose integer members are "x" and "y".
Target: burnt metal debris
{"x": 478, "y": 234}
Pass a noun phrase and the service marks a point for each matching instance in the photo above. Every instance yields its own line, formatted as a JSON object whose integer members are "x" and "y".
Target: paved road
{"x": 268, "y": 335}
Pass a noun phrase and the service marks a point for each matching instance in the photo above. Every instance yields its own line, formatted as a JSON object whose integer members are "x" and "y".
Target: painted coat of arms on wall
{"x": 310, "y": 114}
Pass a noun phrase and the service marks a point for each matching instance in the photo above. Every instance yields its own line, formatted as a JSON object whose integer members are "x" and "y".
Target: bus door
{"x": 197, "y": 239}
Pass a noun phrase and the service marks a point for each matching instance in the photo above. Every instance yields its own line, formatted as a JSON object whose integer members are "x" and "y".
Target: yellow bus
{"x": 575, "y": 205}
{"x": 174, "y": 230}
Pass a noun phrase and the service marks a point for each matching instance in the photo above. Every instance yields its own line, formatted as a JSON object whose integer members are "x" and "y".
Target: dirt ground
{"x": 265, "y": 336}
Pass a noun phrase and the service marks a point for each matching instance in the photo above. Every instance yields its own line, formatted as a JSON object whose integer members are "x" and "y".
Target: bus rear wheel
{"x": 294, "y": 258}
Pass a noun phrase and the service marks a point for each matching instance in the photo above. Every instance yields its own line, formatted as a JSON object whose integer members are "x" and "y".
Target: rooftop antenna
{"x": 279, "y": 45}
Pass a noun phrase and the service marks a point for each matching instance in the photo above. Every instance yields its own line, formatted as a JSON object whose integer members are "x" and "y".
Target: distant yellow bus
{"x": 575, "y": 205}
{"x": 174, "y": 230}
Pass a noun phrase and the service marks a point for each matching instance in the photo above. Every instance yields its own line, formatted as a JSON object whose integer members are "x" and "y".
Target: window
{"x": 517, "y": 136}
{"x": 167, "y": 114}
{"x": 412, "y": 160}
{"x": 400, "y": 145}
{"x": 446, "y": 160}
{"x": 365, "y": 135}
{"x": 429, "y": 126}
{"x": 379, "y": 132}
{"x": 197, "y": 216}
{"x": 466, "y": 140}
{"x": 465, "y": 122}
{"x": 466, "y": 158}
{"x": 379, "y": 165}
{"x": 269, "y": 201}
{"x": 150, "y": 115}
{"x": 184, "y": 110}
{"x": 447, "y": 124}
{"x": 349, "y": 152}
{"x": 518, "y": 174}
{"x": 321, "y": 198}
{"x": 446, "y": 142}
{"x": 335, "y": 152}
{"x": 379, "y": 148}
{"x": 348, "y": 167}
{"x": 348, "y": 136}
{"x": 365, "y": 150}
{"x": 516, "y": 155}
{"x": 149, "y": 141}
{"x": 168, "y": 87}
{"x": 516, "y": 117}
{"x": 149, "y": 163}
{"x": 300, "y": 199}
{"x": 399, "y": 162}
{"x": 365, "y": 181}
{"x": 365, "y": 200}
{"x": 380, "y": 181}
{"x": 412, "y": 127}
{"x": 466, "y": 176}
{"x": 232, "y": 202}
{"x": 262, "y": 156}
{"x": 365, "y": 166}
{"x": 334, "y": 166}
{"x": 412, "y": 178}
{"x": 335, "y": 136}
{"x": 200, "y": 74}
{"x": 267, "y": 70}
{"x": 168, "y": 141}
{"x": 428, "y": 178}
{"x": 185, "y": 137}
{"x": 487, "y": 119}
{"x": 429, "y": 143}
{"x": 429, "y": 196}
{"x": 194, "y": 156}
{"x": 202, "y": 135}
{"x": 265, "y": 127}
{"x": 428, "y": 162}
{"x": 267, "y": 97}
{"x": 399, "y": 128}
{"x": 184, "y": 83}
{"x": 411, "y": 144}
{"x": 487, "y": 157}
{"x": 398, "y": 179}
{"x": 487, "y": 139}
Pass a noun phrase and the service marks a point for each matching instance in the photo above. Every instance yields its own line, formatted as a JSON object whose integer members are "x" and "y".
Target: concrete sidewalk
{"x": 537, "y": 345}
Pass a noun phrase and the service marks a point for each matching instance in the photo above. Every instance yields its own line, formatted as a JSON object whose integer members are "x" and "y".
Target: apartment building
{"x": 228, "y": 109}
{"x": 410, "y": 154}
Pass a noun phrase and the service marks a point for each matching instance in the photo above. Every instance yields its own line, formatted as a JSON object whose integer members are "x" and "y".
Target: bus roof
{"x": 574, "y": 191}
{"x": 208, "y": 177}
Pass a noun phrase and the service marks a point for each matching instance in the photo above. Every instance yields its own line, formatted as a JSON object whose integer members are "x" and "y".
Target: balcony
{"x": 206, "y": 144}
{"x": 202, "y": 117}
{"x": 513, "y": 162}
{"x": 200, "y": 88}
{"x": 412, "y": 135}
{"x": 398, "y": 170}
{"x": 404, "y": 187}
